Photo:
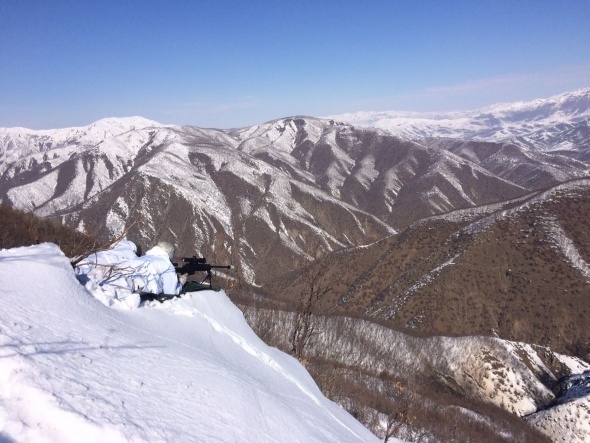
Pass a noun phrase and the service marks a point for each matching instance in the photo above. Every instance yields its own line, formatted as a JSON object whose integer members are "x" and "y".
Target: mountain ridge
{"x": 293, "y": 188}
{"x": 499, "y": 122}
{"x": 491, "y": 270}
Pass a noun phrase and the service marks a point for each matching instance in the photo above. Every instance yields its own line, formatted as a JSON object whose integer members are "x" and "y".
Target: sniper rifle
{"x": 194, "y": 264}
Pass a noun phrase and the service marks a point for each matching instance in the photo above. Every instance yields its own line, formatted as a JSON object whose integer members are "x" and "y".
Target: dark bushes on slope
{"x": 19, "y": 228}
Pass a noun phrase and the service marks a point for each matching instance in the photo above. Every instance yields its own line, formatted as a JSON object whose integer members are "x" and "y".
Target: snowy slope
{"x": 532, "y": 122}
{"x": 569, "y": 419}
{"x": 72, "y": 369}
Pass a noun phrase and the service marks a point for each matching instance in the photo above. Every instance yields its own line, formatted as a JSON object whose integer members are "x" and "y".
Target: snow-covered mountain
{"x": 557, "y": 123}
{"x": 261, "y": 198}
{"x": 565, "y": 420}
{"x": 196, "y": 187}
{"x": 190, "y": 369}
{"x": 513, "y": 162}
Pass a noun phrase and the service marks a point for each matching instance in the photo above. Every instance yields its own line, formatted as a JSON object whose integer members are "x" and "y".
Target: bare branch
{"x": 102, "y": 247}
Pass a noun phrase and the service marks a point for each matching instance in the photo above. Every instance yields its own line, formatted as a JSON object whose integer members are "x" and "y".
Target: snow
{"x": 486, "y": 215}
{"x": 33, "y": 194}
{"x": 566, "y": 246}
{"x": 497, "y": 122}
{"x": 367, "y": 173}
{"x": 569, "y": 419}
{"x": 189, "y": 369}
{"x": 21, "y": 142}
{"x": 575, "y": 365}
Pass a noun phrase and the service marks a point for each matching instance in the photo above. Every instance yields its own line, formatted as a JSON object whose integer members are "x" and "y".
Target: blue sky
{"x": 237, "y": 63}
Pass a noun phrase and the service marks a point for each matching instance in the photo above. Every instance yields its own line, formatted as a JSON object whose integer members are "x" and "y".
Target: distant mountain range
{"x": 559, "y": 123}
{"x": 290, "y": 190}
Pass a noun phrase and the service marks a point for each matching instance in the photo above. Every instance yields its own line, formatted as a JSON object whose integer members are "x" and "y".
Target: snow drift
{"x": 190, "y": 369}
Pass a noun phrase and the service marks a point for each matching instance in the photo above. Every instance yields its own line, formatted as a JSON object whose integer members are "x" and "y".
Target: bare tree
{"x": 77, "y": 256}
{"x": 315, "y": 287}
{"x": 401, "y": 414}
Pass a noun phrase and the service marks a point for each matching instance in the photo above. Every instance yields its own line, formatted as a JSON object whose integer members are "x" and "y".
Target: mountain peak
{"x": 136, "y": 122}
{"x": 112, "y": 126}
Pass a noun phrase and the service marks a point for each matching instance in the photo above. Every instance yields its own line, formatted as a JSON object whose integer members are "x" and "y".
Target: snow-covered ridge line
{"x": 123, "y": 123}
{"x": 496, "y": 213}
{"x": 47, "y": 144}
{"x": 502, "y": 121}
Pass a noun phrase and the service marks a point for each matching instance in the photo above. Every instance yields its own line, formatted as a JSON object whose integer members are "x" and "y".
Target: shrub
{"x": 19, "y": 228}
